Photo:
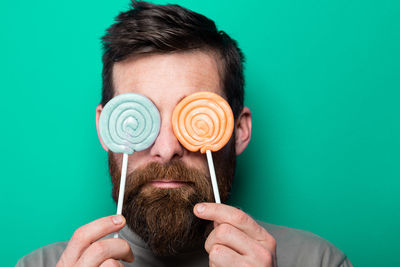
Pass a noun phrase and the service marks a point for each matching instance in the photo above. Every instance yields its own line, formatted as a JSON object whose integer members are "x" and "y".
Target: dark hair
{"x": 150, "y": 28}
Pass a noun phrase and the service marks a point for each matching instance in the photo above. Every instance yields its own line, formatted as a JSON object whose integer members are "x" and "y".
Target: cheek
{"x": 195, "y": 160}
{"x": 136, "y": 160}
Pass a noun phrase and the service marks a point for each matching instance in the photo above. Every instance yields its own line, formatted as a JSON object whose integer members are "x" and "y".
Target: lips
{"x": 168, "y": 183}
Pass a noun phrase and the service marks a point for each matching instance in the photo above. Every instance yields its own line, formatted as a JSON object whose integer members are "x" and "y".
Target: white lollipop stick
{"x": 213, "y": 177}
{"x": 122, "y": 187}
{"x": 128, "y": 122}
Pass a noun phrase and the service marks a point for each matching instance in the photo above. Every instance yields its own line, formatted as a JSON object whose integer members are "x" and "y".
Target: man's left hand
{"x": 237, "y": 240}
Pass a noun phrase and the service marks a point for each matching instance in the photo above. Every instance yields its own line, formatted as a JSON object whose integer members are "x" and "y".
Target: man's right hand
{"x": 85, "y": 248}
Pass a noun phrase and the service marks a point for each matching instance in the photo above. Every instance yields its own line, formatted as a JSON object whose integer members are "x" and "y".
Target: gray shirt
{"x": 295, "y": 248}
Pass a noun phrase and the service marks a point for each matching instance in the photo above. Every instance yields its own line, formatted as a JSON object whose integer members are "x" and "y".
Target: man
{"x": 167, "y": 53}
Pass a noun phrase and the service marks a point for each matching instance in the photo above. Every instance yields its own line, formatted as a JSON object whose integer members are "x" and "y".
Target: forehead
{"x": 168, "y": 76}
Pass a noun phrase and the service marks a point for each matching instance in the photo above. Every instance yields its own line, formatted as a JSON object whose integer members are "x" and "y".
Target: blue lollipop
{"x": 129, "y": 122}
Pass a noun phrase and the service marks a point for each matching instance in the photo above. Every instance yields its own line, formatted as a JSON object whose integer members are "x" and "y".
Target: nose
{"x": 166, "y": 147}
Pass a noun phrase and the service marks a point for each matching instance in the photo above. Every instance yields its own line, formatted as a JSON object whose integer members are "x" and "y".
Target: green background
{"x": 322, "y": 82}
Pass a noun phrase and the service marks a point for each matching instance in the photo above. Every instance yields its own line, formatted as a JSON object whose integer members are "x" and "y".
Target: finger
{"x": 102, "y": 250}
{"x": 229, "y": 236}
{"x": 220, "y": 255}
{"x": 221, "y": 213}
{"x": 89, "y": 233}
{"x": 112, "y": 263}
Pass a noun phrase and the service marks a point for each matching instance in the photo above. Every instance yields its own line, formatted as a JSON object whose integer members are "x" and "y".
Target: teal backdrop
{"x": 323, "y": 84}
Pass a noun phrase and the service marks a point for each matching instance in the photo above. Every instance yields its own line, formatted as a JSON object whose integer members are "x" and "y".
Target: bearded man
{"x": 166, "y": 52}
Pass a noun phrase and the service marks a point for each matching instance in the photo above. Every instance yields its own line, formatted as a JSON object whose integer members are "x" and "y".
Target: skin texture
{"x": 85, "y": 249}
{"x": 236, "y": 240}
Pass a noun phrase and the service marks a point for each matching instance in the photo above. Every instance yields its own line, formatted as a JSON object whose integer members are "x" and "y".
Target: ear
{"x": 243, "y": 130}
{"x": 99, "y": 108}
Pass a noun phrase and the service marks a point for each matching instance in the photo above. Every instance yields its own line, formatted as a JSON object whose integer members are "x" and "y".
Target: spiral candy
{"x": 203, "y": 121}
{"x": 129, "y": 122}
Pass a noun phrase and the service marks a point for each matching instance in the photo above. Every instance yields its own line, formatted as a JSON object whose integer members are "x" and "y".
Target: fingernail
{"x": 200, "y": 208}
{"x": 117, "y": 219}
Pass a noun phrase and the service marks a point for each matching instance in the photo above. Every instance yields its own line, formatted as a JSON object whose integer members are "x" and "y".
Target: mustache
{"x": 174, "y": 170}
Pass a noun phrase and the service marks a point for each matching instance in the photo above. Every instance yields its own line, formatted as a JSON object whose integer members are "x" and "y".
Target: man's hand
{"x": 237, "y": 240}
{"x": 85, "y": 248}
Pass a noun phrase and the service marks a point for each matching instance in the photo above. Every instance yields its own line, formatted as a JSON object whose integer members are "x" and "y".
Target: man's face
{"x": 166, "y": 79}
{"x": 165, "y": 181}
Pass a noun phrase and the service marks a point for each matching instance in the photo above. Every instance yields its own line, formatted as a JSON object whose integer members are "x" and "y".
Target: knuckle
{"x": 241, "y": 218}
{"x": 100, "y": 249}
{"x": 263, "y": 255}
{"x": 125, "y": 246}
{"x": 215, "y": 253}
{"x": 127, "y": 249}
{"x": 268, "y": 239}
{"x": 259, "y": 250}
{"x": 262, "y": 233}
{"x": 267, "y": 258}
{"x": 79, "y": 235}
{"x": 222, "y": 231}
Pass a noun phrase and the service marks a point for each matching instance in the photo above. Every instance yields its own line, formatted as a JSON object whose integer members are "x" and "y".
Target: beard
{"x": 163, "y": 217}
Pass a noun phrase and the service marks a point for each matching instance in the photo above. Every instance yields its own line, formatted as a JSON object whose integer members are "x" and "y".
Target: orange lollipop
{"x": 203, "y": 121}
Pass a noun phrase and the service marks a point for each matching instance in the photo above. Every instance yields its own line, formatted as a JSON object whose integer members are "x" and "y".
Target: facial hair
{"x": 163, "y": 217}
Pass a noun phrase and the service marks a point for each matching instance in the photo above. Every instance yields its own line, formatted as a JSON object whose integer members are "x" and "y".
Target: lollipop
{"x": 204, "y": 121}
{"x": 129, "y": 122}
